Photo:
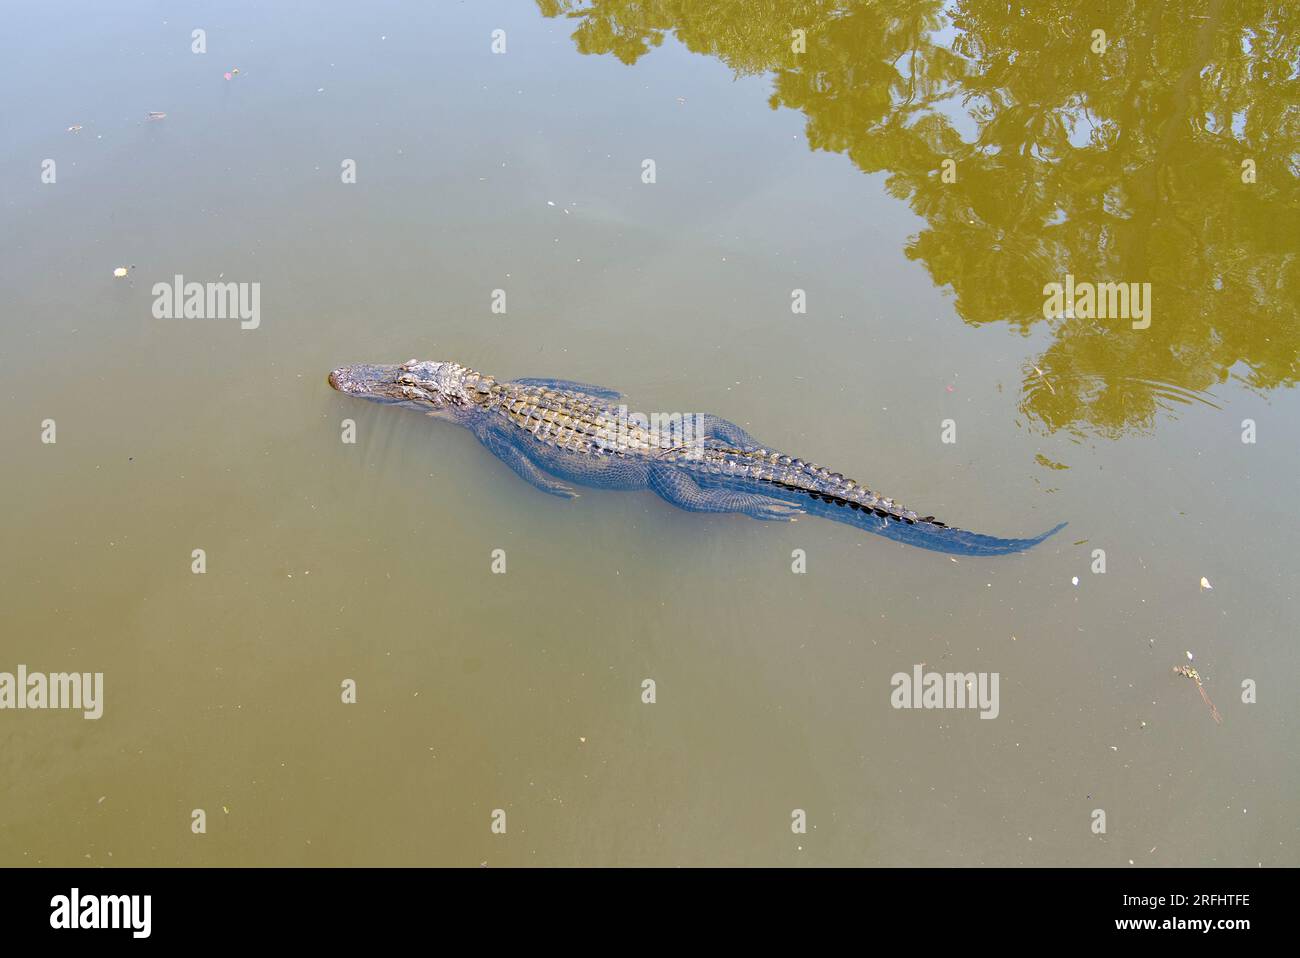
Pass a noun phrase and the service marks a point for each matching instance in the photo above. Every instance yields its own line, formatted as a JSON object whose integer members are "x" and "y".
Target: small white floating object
{"x": 120, "y": 272}
{"x": 1189, "y": 657}
{"x": 1074, "y": 581}
{"x": 1205, "y": 583}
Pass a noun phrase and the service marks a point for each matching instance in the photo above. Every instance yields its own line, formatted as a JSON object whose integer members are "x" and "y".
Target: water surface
{"x": 819, "y": 170}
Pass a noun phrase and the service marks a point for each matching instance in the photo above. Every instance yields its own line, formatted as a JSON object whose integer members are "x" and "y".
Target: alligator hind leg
{"x": 526, "y": 469}
{"x": 728, "y": 432}
{"x": 679, "y": 488}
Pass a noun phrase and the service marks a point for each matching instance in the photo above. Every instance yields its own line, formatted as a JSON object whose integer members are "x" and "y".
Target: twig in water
{"x": 1188, "y": 671}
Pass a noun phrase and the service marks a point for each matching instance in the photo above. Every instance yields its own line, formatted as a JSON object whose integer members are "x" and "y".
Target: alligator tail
{"x": 921, "y": 533}
{"x": 925, "y": 535}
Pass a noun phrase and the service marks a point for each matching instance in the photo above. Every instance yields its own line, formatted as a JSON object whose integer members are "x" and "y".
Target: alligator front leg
{"x": 526, "y": 469}
{"x": 675, "y": 486}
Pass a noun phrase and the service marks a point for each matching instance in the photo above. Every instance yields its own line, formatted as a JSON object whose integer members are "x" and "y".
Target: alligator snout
{"x": 380, "y": 383}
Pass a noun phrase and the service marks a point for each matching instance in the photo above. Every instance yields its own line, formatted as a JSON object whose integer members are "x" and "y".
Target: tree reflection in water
{"x": 1125, "y": 166}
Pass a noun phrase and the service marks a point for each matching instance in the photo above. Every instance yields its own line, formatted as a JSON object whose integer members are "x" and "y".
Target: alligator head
{"x": 428, "y": 386}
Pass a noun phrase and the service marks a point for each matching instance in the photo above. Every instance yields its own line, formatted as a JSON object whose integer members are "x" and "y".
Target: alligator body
{"x": 553, "y": 432}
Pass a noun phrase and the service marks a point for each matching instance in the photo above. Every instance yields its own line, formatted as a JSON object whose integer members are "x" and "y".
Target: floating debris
{"x": 1205, "y": 583}
{"x": 75, "y": 128}
{"x": 120, "y": 272}
{"x": 155, "y": 115}
{"x": 1188, "y": 672}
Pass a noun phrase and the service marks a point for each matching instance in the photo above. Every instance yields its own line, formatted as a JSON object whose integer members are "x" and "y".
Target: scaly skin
{"x": 552, "y": 432}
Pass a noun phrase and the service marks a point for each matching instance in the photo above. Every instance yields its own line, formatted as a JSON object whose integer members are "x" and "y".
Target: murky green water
{"x": 777, "y": 169}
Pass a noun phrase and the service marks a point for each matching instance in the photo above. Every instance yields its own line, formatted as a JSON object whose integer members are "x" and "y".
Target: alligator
{"x": 555, "y": 431}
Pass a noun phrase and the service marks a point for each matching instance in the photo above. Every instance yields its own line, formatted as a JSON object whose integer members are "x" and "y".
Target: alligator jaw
{"x": 430, "y": 387}
{"x": 367, "y": 381}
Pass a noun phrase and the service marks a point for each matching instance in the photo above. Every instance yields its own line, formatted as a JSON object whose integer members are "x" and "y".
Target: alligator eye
{"x": 406, "y": 379}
